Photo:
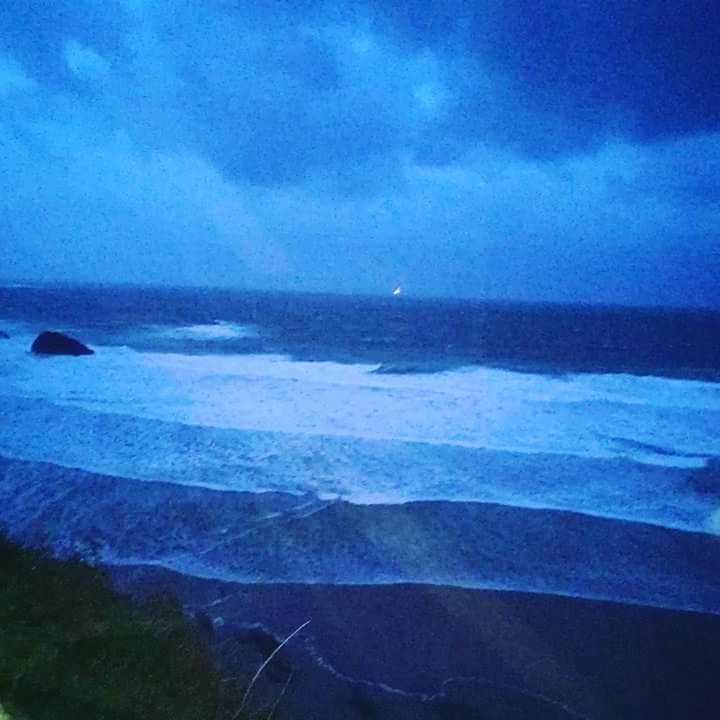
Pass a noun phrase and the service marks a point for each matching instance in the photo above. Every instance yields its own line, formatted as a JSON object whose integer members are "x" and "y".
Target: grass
{"x": 70, "y": 648}
{"x": 4, "y": 715}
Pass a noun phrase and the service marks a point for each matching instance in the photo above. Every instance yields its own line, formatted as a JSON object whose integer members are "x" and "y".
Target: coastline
{"x": 463, "y": 543}
{"x": 393, "y": 634}
{"x": 279, "y": 537}
{"x": 412, "y": 650}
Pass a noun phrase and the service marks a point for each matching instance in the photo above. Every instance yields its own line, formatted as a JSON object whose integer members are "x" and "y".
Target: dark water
{"x": 406, "y": 335}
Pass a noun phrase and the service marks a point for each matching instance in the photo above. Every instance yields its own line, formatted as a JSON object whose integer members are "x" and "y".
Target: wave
{"x": 218, "y": 330}
{"x": 612, "y": 446}
{"x": 588, "y": 415}
{"x": 410, "y": 368}
{"x": 280, "y": 538}
{"x": 366, "y": 471}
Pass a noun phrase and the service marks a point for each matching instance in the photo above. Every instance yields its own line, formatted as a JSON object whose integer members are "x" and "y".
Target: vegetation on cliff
{"x": 71, "y": 648}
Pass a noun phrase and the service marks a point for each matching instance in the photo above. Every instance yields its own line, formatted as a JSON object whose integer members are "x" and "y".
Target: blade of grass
{"x": 265, "y": 664}
{"x": 280, "y": 697}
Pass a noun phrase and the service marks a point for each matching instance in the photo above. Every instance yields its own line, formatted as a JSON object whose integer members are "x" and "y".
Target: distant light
{"x": 397, "y": 291}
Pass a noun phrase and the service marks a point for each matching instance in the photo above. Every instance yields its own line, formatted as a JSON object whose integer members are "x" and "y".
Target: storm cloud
{"x": 543, "y": 151}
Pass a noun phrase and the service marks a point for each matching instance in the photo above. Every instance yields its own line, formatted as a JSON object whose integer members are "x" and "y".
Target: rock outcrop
{"x": 56, "y": 343}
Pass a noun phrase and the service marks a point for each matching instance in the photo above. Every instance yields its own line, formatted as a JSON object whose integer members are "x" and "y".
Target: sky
{"x": 549, "y": 150}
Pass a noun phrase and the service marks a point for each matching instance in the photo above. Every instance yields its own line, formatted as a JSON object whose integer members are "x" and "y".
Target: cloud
{"x": 13, "y": 78}
{"x": 494, "y": 154}
{"x": 86, "y": 209}
{"x": 594, "y": 227}
{"x": 83, "y": 61}
{"x": 573, "y": 74}
{"x": 37, "y": 35}
{"x": 274, "y": 94}
{"x": 500, "y": 225}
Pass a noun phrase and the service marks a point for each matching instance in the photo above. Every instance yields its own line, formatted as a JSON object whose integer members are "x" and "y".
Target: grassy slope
{"x": 71, "y": 648}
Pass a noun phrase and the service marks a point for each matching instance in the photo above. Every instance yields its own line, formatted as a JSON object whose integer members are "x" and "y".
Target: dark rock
{"x": 4, "y": 335}
{"x": 55, "y": 343}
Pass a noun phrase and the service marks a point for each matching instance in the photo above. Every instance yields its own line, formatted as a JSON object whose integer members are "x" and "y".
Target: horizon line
{"x": 406, "y": 297}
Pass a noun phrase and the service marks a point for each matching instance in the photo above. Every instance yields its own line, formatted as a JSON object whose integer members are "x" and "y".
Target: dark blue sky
{"x": 549, "y": 150}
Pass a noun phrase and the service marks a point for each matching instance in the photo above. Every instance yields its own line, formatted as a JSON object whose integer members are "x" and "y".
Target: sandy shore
{"x": 528, "y": 655}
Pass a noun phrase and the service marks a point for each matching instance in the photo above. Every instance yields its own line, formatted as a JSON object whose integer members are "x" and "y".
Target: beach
{"x": 469, "y": 526}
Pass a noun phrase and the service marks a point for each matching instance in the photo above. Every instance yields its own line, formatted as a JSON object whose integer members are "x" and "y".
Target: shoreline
{"x": 131, "y": 567}
{"x": 282, "y": 538}
{"x": 586, "y": 658}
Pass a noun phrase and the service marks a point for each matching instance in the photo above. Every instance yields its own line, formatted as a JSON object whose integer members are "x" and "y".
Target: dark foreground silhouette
{"x": 72, "y": 649}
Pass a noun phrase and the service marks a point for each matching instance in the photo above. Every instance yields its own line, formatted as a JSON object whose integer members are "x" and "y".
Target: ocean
{"x": 374, "y": 399}
{"x": 308, "y": 441}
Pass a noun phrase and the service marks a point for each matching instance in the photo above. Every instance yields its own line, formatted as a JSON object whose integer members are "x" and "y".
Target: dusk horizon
{"x": 407, "y": 295}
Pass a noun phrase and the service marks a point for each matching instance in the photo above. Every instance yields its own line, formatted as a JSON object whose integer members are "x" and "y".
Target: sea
{"x": 268, "y": 438}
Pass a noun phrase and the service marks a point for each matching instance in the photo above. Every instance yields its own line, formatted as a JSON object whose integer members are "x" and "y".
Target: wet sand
{"x": 520, "y": 654}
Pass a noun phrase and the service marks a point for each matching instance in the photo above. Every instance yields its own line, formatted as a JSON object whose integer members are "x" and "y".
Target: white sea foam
{"x": 653, "y": 420}
{"x": 342, "y": 430}
{"x": 219, "y": 330}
